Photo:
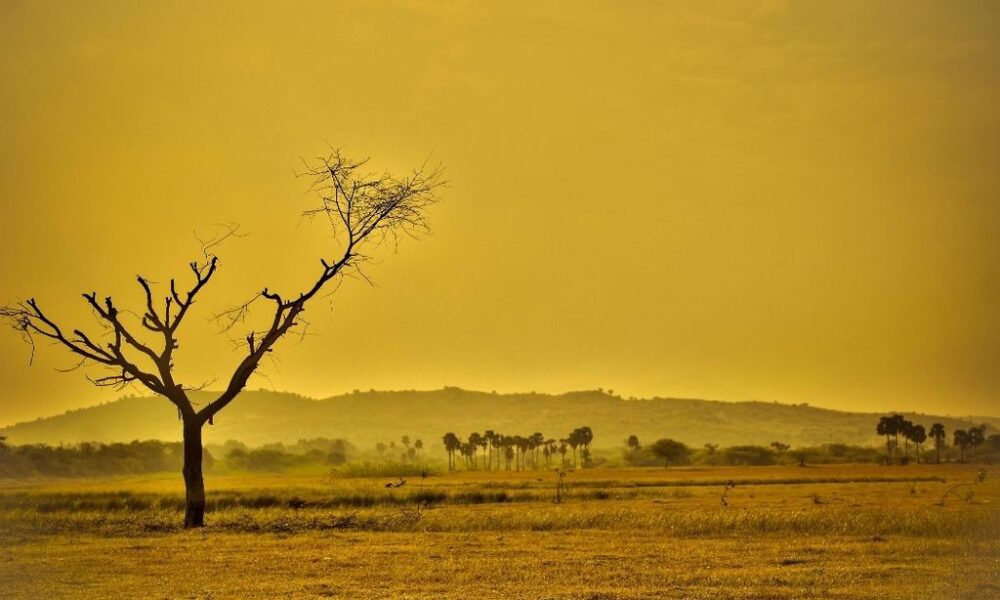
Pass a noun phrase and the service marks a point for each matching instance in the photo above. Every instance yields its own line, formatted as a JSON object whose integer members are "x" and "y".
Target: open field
{"x": 786, "y": 532}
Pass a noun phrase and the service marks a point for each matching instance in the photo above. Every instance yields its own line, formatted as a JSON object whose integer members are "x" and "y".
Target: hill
{"x": 365, "y": 418}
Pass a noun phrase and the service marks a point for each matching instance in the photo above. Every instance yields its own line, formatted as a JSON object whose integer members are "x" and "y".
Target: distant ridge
{"x": 364, "y": 418}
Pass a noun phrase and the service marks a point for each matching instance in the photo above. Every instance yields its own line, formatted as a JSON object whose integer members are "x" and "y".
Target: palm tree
{"x": 490, "y": 436}
{"x": 586, "y": 437}
{"x": 977, "y": 435}
{"x": 550, "y": 450}
{"x": 919, "y": 436}
{"x": 938, "y": 435}
{"x": 418, "y": 445}
{"x": 632, "y": 443}
{"x": 537, "y": 440}
{"x": 499, "y": 442}
{"x": 906, "y": 428}
{"x": 962, "y": 441}
{"x": 574, "y": 441}
{"x": 474, "y": 441}
{"x": 563, "y": 449}
{"x": 451, "y": 444}
{"x": 891, "y": 425}
{"x": 484, "y": 445}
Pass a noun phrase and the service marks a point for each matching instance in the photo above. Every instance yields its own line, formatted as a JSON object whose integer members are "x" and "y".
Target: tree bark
{"x": 194, "y": 482}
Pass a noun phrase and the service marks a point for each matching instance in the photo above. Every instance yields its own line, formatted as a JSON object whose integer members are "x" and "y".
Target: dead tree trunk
{"x": 194, "y": 481}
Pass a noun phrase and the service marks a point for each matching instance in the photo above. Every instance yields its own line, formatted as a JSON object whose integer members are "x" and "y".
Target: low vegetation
{"x": 153, "y": 456}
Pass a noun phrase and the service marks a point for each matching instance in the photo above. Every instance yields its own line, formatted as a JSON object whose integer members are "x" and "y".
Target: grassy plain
{"x": 783, "y": 532}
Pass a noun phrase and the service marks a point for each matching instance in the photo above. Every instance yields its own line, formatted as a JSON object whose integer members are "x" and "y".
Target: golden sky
{"x": 778, "y": 201}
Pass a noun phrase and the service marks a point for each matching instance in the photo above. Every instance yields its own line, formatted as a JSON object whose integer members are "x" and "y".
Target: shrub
{"x": 748, "y": 455}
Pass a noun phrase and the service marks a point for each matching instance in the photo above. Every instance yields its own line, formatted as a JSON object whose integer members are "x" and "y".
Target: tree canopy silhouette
{"x": 937, "y": 433}
{"x": 364, "y": 210}
{"x": 671, "y": 452}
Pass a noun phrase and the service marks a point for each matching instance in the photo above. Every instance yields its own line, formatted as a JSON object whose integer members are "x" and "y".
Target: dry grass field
{"x": 782, "y": 532}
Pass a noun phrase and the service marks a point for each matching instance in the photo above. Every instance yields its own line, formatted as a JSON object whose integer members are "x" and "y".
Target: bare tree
{"x": 364, "y": 210}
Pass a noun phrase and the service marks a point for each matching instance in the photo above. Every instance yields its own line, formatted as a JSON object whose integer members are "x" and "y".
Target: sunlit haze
{"x": 795, "y": 203}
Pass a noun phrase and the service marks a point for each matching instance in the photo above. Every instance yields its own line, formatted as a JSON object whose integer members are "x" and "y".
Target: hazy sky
{"x": 779, "y": 201}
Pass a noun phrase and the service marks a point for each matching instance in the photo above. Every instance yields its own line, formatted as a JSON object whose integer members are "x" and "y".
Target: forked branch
{"x": 119, "y": 349}
{"x": 364, "y": 211}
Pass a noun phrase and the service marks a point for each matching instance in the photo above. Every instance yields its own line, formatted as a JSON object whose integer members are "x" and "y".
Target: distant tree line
{"x": 278, "y": 457}
{"x": 92, "y": 459}
{"x": 667, "y": 452}
{"x": 905, "y": 441}
{"x": 895, "y": 427}
{"x": 153, "y": 456}
{"x": 410, "y": 452}
{"x": 496, "y": 451}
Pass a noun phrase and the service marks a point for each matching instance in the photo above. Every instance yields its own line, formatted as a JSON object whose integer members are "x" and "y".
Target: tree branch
{"x": 363, "y": 211}
{"x": 30, "y": 321}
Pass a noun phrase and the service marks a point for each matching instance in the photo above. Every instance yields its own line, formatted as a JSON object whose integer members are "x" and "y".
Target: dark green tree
{"x": 586, "y": 436}
{"x": 537, "y": 440}
{"x": 887, "y": 427}
{"x": 573, "y": 439}
{"x": 906, "y": 428}
{"x": 671, "y": 452}
{"x": 937, "y": 433}
{"x": 977, "y": 436}
{"x": 918, "y": 435}
{"x": 474, "y": 441}
{"x": 451, "y": 445}
{"x": 491, "y": 437}
{"x": 961, "y": 440}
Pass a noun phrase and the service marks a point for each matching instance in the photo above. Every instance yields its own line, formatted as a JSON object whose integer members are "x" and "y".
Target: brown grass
{"x": 825, "y": 532}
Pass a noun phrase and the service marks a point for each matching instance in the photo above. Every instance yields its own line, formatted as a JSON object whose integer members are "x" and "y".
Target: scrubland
{"x": 844, "y": 531}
